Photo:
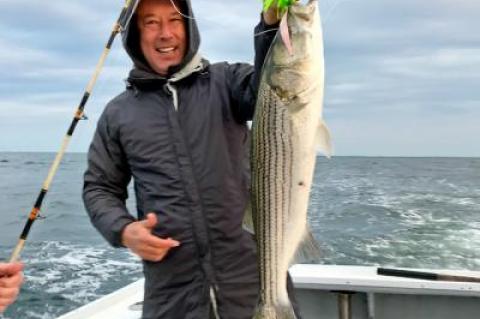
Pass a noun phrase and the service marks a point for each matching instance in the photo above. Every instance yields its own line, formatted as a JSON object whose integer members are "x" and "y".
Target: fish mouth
{"x": 304, "y": 10}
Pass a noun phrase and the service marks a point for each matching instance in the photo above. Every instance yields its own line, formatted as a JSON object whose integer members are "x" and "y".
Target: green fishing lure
{"x": 282, "y": 5}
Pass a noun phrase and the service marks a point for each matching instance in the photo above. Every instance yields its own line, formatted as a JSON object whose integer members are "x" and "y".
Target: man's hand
{"x": 11, "y": 278}
{"x": 138, "y": 237}
{"x": 271, "y": 15}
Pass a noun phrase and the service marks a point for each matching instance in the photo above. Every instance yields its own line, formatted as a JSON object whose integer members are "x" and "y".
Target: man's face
{"x": 163, "y": 37}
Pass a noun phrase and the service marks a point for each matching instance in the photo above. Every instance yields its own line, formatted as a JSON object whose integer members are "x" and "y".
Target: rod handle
{"x": 18, "y": 249}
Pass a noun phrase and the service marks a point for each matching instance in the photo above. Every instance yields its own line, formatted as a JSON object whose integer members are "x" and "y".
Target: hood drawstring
{"x": 173, "y": 91}
{"x": 195, "y": 65}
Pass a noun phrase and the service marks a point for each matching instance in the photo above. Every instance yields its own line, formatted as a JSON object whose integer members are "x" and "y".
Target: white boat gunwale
{"x": 322, "y": 278}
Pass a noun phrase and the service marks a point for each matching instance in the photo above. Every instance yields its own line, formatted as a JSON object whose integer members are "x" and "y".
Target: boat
{"x": 337, "y": 292}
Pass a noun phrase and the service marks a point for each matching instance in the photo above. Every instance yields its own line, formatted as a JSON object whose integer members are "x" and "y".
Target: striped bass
{"x": 286, "y": 131}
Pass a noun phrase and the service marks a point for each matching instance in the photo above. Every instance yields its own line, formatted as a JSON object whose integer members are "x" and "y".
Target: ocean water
{"x": 405, "y": 212}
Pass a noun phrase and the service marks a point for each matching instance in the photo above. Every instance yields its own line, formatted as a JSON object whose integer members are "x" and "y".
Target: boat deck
{"x": 336, "y": 292}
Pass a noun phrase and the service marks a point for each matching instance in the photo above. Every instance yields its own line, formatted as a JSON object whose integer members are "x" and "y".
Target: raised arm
{"x": 243, "y": 79}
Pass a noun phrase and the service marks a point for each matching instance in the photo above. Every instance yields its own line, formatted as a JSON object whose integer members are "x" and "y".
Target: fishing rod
{"x": 120, "y": 25}
{"x": 425, "y": 275}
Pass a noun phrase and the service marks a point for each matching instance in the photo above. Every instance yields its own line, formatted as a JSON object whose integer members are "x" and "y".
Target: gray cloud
{"x": 401, "y": 75}
{"x": 394, "y": 63}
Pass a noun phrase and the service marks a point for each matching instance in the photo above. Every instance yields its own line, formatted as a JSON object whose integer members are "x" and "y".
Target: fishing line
{"x": 120, "y": 24}
{"x": 266, "y": 31}
{"x": 211, "y": 20}
{"x": 332, "y": 4}
{"x": 330, "y": 11}
{"x": 130, "y": 15}
{"x": 333, "y": 8}
{"x": 179, "y": 12}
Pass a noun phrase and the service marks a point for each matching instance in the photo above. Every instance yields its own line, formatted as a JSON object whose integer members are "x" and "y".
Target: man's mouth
{"x": 165, "y": 50}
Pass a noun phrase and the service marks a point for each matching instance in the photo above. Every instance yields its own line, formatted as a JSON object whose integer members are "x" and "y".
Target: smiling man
{"x": 180, "y": 131}
{"x": 162, "y": 34}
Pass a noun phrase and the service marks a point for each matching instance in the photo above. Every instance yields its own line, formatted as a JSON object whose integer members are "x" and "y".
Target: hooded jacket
{"x": 183, "y": 140}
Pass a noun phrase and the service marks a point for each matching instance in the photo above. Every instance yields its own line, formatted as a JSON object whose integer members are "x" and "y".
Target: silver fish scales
{"x": 286, "y": 133}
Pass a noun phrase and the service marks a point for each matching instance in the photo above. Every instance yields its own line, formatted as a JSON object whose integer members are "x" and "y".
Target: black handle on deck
{"x": 407, "y": 273}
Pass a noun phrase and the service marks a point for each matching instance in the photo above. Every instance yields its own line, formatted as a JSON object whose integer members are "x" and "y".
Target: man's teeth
{"x": 165, "y": 50}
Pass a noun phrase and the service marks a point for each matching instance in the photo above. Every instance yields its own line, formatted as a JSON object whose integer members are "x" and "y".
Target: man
{"x": 11, "y": 279}
{"x": 180, "y": 131}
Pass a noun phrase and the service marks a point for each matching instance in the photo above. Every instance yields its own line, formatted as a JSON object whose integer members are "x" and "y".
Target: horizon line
{"x": 318, "y": 155}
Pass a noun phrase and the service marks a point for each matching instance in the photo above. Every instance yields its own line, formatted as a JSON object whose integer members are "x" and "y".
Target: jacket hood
{"x": 131, "y": 42}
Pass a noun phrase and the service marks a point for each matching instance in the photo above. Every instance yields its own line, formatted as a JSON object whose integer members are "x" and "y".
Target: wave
{"x": 67, "y": 275}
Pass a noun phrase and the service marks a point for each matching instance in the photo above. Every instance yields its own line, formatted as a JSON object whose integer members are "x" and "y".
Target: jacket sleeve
{"x": 243, "y": 79}
{"x": 105, "y": 184}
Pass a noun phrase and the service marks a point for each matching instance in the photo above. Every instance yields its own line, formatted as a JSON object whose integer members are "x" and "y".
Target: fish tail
{"x": 270, "y": 311}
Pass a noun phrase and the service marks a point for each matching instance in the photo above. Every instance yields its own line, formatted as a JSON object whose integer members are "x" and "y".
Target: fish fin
{"x": 248, "y": 219}
{"x": 274, "y": 311}
{"x": 308, "y": 252}
{"x": 322, "y": 139}
{"x": 285, "y": 34}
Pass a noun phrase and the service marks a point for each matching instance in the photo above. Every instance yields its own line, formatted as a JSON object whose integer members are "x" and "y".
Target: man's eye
{"x": 150, "y": 22}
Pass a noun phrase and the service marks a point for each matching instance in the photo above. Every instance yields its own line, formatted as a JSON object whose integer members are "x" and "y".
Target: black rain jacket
{"x": 183, "y": 140}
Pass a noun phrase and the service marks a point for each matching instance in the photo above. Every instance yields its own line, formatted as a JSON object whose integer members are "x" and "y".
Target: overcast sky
{"x": 402, "y": 77}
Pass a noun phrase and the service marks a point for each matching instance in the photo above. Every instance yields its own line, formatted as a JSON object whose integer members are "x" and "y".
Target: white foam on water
{"x": 466, "y": 201}
{"x": 77, "y": 273}
{"x": 34, "y": 315}
{"x": 413, "y": 216}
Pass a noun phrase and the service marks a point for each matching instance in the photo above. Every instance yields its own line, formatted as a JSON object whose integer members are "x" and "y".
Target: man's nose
{"x": 165, "y": 31}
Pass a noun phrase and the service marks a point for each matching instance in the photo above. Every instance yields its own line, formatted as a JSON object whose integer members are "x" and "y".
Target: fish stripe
{"x": 287, "y": 111}
{"x": 271, "y": 175}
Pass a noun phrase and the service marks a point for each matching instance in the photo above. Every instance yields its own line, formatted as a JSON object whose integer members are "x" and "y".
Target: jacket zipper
{"x": 208, "y": 272}
{"x": 213, "y": 300}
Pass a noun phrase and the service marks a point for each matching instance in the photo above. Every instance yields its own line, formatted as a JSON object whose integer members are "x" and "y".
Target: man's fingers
{"x": 10, "y": 269}
{"x": 155, "y": 248}
{"x": 11, "y": 281}
{"x": 11, "y": 278}
{"x": 150, "y": 222}
{"x": 8, "y": 295}
{"x": 159, "y": 243}
{"x": 138, "y": 238}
